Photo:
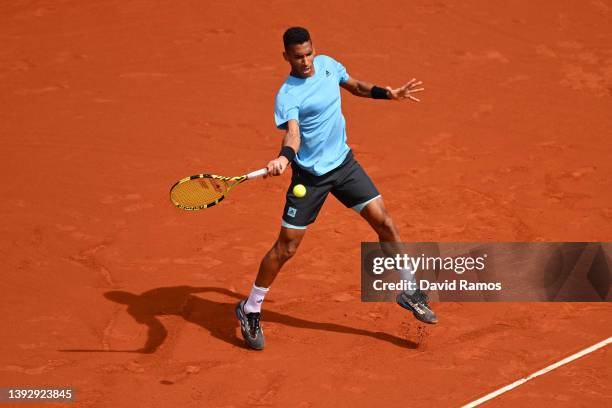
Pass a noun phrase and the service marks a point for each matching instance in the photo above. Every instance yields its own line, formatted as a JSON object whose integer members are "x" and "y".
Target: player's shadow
{"x": 216, "y": 317}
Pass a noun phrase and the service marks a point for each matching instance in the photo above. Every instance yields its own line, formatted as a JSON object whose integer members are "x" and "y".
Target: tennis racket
{"x": 205, "y": 190}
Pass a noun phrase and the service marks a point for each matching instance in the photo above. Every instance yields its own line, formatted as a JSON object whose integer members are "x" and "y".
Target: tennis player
{"x": 308, "y": 108}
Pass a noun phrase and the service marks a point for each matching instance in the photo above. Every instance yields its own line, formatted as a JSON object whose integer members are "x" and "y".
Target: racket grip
{"x": 257, "y": 173}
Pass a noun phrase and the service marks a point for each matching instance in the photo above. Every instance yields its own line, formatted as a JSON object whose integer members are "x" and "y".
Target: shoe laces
{"x": 254, "y": 319}
{"x": 421, "y": 298}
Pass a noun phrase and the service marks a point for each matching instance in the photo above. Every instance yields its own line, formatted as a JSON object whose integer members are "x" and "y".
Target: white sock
{"x": 253, "y": 304}
{"x": 407, "y": 275}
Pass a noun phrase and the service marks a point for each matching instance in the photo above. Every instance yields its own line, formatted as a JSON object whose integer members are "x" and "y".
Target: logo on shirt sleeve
{"x": 327, "y": 73}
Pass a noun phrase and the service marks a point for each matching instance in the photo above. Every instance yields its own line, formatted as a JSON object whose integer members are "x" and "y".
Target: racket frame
{"x": 236, "y": 180}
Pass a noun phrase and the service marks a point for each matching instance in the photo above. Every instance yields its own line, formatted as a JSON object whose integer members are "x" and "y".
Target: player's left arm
{"x": 368, "y": 90}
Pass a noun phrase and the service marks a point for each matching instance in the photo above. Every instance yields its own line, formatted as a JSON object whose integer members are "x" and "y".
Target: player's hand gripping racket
{"x": 205, "y": 190}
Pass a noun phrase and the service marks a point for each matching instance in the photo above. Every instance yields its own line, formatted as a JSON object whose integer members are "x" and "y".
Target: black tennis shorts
{"x": 348, "y": 182}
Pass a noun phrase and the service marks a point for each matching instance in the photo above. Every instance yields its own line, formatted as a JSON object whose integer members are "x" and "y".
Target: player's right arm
{"x": 291, "y": 140}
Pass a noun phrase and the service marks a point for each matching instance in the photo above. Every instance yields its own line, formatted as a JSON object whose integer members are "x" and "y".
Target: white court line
{"x": 551, "y": 367}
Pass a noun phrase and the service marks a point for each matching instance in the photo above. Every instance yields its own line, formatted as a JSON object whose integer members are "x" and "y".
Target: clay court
{"x": 108, "y": 288}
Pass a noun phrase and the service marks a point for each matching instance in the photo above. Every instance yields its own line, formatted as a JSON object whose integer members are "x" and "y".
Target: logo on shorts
{"x": 291, "y": 212}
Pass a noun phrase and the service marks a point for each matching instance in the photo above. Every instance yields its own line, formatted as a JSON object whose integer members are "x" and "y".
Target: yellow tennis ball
{"x": 299, "y": 190}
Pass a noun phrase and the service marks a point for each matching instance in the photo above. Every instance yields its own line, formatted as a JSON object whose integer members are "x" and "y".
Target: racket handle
{"x": 257, "y": 173}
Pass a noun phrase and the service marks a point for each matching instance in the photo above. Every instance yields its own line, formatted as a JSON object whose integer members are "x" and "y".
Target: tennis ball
{"x": 299, "y": 190}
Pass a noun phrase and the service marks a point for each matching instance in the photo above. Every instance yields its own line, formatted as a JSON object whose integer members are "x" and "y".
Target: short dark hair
{"x": 295, "y": 35}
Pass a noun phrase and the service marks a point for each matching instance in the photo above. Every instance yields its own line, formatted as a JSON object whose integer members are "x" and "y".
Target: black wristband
{"x": 379, "y": 93}
{"x": 287, "y": 152}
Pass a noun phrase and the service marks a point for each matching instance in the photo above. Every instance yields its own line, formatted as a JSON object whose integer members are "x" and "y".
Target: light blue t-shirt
{"x": 315, "y": 103}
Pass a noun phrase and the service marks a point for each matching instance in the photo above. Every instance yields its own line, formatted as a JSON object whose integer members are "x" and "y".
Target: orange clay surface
{"x": 106, "y": 287}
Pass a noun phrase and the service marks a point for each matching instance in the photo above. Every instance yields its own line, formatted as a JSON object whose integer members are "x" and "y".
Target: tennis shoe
{"x": 250, "y": 327}
{"x": 418, "y": 304}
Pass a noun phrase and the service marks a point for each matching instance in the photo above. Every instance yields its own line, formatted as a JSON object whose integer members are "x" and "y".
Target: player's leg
{"x": 283, "y": 249}
{"x": 413, "y": 300}
{"x": 297, "y": 215}
{"x": 248, "y": 311}
{"x": 376, "y": 214}
{"x": 357, "y": 191}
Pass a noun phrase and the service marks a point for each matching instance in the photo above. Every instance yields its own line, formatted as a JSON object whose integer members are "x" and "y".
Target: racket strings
{"x": 199, "y": 191}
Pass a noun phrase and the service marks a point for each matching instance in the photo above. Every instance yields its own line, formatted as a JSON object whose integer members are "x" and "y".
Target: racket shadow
{"x": 216, "y": 317}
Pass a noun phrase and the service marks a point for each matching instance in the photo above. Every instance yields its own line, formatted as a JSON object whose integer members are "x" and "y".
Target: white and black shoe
{"x": 250, "y": 327}
{"x": 417, "y": 304}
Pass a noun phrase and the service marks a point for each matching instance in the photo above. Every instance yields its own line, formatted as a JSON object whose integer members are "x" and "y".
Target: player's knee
{"x": 386, "y": 227}
{"x": 286, "y": 249}
{"x": 290, "y": 250}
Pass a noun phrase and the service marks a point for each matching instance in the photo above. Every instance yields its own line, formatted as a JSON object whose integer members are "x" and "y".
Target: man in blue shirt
{"x": 314, "y": 102}
{"x": 308, "y": 108}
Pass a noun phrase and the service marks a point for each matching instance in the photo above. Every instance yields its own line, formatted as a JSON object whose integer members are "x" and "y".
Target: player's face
{"x": 300, "y": 57}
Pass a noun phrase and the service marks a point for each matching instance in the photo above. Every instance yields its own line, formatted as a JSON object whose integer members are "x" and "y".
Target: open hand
{"x": 406, "y": 91}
